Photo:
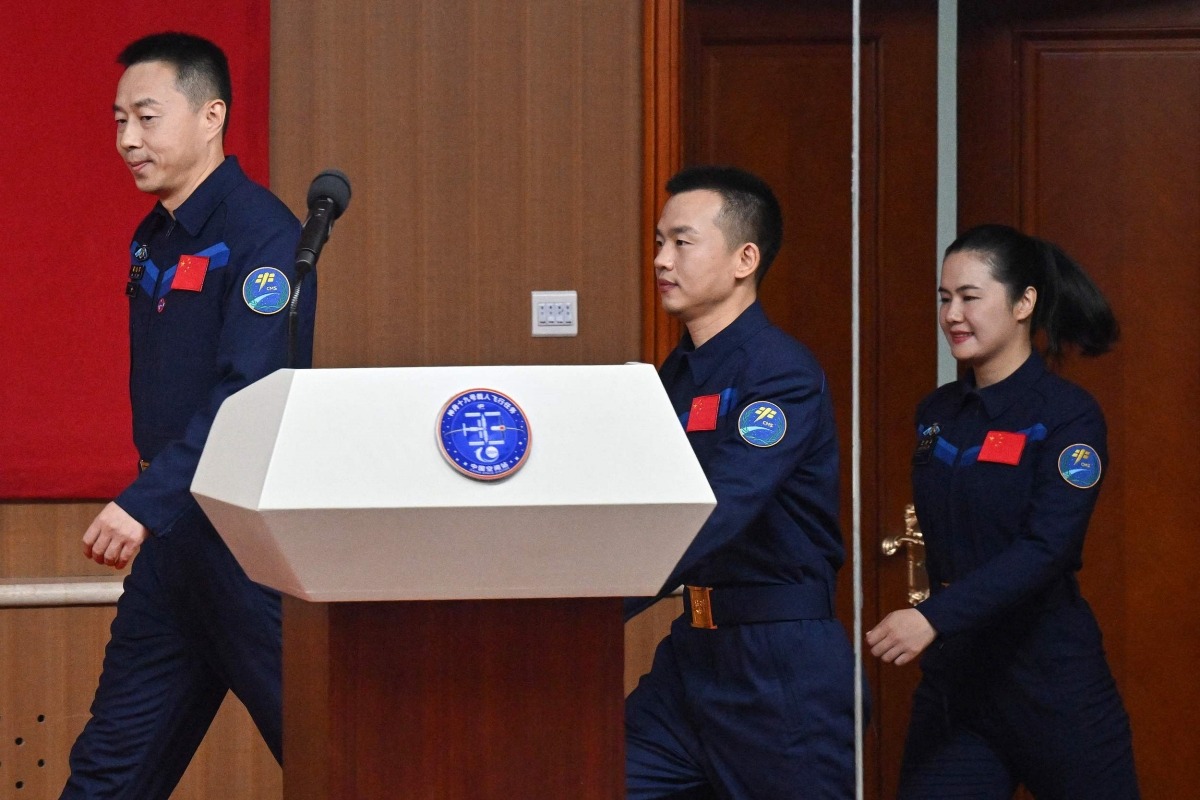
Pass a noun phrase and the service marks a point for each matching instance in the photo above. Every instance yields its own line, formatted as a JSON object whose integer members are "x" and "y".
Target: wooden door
{"x": 766, "y": 86}
{"x": 1082, "y": 125}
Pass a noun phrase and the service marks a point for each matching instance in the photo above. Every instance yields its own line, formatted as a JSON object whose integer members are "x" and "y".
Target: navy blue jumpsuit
{"x": 1016, "y": 687}
{"x": 205, "y": 319}
{"x": 761, "y": 706}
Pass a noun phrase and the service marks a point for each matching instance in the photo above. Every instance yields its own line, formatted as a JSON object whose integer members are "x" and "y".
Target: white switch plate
{"x": 555, "y": 314}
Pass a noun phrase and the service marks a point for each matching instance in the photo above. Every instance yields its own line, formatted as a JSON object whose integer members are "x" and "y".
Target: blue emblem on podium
{"x": 483, "y": 434}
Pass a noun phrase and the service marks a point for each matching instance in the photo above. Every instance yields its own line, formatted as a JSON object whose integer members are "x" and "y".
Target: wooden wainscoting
{"x": 50, "y": 662}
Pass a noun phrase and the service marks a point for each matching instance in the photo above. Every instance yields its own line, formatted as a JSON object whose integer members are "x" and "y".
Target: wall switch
{"x": 555, "y": 314}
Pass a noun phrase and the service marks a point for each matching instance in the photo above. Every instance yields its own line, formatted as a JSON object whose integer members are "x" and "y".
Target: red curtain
{"x": 67, "y": 209}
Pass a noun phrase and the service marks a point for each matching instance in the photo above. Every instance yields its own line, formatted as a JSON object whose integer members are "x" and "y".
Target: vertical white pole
{"x": 947, "y": 158}
{"x": 856, "y": 369}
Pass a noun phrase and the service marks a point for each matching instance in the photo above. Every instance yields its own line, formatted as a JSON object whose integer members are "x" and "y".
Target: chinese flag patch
{"x": 189, "y": 275}
{"x": 703, "y": 416}
{"x": 1002, "y": 447}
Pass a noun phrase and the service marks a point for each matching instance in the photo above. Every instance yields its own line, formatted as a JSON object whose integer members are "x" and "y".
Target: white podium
{"x": 448, "y": 634}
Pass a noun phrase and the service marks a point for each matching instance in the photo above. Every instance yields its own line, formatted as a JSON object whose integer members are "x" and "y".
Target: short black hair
{"x": 749, "y": 210}
{"x": 201, "y": 69}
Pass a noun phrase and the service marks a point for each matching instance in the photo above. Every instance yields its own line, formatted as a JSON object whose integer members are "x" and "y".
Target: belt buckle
{"x": 700, "y": 600}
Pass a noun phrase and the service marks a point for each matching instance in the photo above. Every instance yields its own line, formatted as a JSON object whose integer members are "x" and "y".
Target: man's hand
{"x": 114, "y": 537}
{"x": 901, "y": 636}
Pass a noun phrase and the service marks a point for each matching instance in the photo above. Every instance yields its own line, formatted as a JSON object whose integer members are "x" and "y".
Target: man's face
{"x": 696, "y": 269}
{"x": 163, "y": 140}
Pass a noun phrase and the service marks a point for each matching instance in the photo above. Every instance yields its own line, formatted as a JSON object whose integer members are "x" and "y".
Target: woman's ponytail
{"x": 1074, "y": 310}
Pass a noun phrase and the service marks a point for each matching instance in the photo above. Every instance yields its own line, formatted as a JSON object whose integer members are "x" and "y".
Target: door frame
{"x": 888, "y": 261}
{"x": 662, "y": 154}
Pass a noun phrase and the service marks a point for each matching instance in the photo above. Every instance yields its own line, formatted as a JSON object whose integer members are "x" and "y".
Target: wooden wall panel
{"x": 494, "y": 149}
{"x": 642, "y": 635}
{"x": 50, "y": 662}
{"x": 44, "y": 540}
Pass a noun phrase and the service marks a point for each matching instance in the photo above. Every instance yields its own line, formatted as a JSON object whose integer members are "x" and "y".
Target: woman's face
{"x": 984, "y": 329}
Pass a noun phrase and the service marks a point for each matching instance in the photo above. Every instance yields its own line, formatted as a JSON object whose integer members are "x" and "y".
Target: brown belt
{"x": 710, "y": 607}
{"x": 700, "y": 603}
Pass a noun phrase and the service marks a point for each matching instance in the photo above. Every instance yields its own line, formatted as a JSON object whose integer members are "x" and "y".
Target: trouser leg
{"x": 1075, "y": 743}
{"x": 945, "y": 758}
{"x": 155, "y": 701}
{"x": 775, "y": 705}
{"x": 748, "y": 712}
{"x": 661, "y": 749}
{"x": 241, "y": 622}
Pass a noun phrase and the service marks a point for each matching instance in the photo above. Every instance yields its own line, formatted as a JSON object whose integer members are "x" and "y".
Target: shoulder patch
{"x": 762, "y": 424}
{"x": 1079, "y": 466}
{"x": 266, "y": 290}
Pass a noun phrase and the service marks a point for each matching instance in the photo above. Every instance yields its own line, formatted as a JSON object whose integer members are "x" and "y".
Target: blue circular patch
{"x": 762, "y": 424}
{"x": 1079, "y": 466}
{"x": 266, "y": 290}
{"x": 483, "y": 434}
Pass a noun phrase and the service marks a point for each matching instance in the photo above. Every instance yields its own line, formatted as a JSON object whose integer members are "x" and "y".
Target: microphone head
{"x": 334, "y": 184}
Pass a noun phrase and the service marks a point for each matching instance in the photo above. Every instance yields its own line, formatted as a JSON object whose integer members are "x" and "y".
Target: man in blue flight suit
{"x": 210, "y": 278}
{"x": 751, "y": 695}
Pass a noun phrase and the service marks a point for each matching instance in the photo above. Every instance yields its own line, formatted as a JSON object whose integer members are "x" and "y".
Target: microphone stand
{"x": 306, "y": 259}
{"x": 302, "y": 270}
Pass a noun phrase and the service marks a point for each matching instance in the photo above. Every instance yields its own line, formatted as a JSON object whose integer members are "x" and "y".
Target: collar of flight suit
{"x": 704, "y": 360}
{"x": 194, "y": 212}
{"x": 998, "y": 397}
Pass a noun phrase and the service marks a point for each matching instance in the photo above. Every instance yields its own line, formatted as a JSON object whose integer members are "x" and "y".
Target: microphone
{"x": 328, "y": 197}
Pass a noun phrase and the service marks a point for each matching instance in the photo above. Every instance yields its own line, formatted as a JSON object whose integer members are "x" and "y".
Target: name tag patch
{"x": 929, "y": 437}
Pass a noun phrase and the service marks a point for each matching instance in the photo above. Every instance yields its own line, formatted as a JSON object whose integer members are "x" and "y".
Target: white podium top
{"x": 329, "y": 485}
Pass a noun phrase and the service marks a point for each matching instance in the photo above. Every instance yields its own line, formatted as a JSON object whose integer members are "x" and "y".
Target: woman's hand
{"x": 901, "y": 636}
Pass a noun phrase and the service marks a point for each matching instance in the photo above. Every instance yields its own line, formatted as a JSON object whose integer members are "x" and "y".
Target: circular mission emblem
{"x": 1079, "y": 466}
{"x": 762, "y": 424}
{"x": 483, "y": 434}
{"x": 266, "y": 290}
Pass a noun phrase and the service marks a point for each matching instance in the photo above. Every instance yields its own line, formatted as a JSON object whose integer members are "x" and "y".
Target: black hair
{"x": 201, "y": 69}
{"x": 1069, "y": 308}
{"x": 749, "y": 211}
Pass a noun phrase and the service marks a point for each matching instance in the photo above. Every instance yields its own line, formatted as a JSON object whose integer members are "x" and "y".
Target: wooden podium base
{"x": 450, "y": 700}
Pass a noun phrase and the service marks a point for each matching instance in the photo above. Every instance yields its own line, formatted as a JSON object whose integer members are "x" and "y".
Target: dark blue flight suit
{"x": 762, "y": 706}
{"x": 190, "y": 625}
{"x": 1015, "y": 688}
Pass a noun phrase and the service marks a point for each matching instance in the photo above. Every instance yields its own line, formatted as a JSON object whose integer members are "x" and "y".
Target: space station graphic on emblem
{"x": 483, "y": 434}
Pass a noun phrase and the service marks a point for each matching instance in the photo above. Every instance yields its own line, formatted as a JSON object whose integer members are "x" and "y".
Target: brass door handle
{"x": 913, "y": 542}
